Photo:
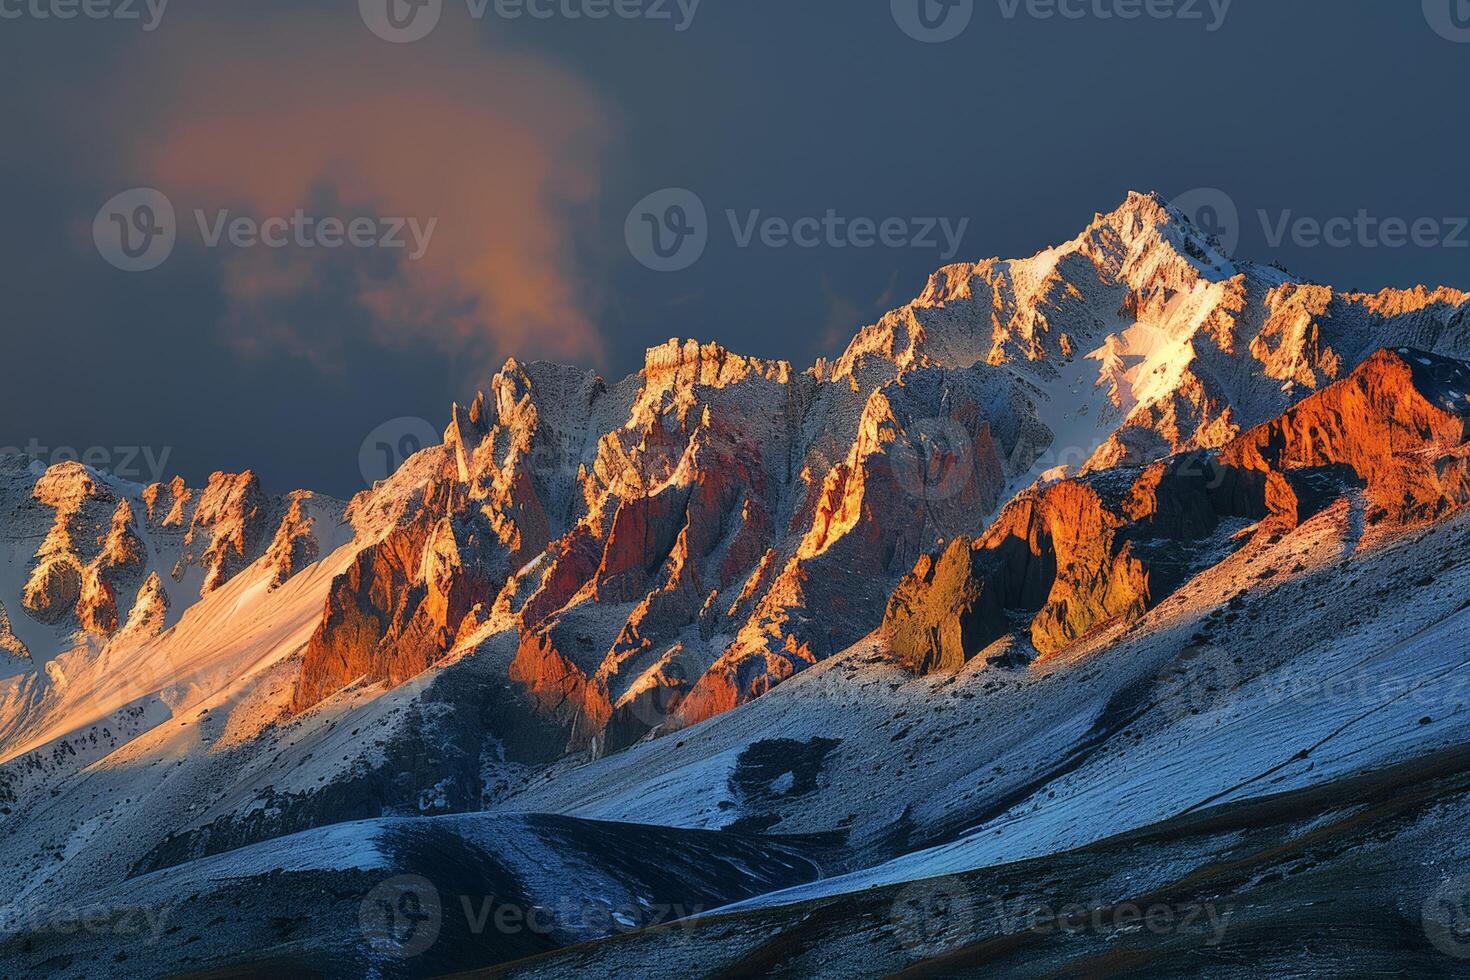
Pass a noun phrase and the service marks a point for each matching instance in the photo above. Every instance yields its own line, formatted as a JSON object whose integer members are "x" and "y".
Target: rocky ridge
{"x": 114, "y": 557}
{"x": 672, "y": 546}
{"x": 1078, "y": 554}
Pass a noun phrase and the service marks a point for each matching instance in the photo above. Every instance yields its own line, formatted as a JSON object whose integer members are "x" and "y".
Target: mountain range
{"x": 1125, "y": 577}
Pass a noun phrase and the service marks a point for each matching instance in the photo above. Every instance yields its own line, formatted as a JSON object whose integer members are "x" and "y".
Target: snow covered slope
{"x": 405, "y": 897}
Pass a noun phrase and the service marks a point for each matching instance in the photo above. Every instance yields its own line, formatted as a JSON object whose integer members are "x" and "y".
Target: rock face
{"x": 296, "y": 543}
{"x": 1081, "y": 553}
{"x": 715, "y": 528}
{"x": 150, "y": 609}
{"x": 119, "y": 565}
{"x": 673, "y": 545}
{"x": 400, "y": 606}
{"x": 10, "y": 644}
{"x": 78, "y": 502}
{"x": 467, "y": 515}
{"x": 226, "y": 529}
{"x": 1398, "y": 423}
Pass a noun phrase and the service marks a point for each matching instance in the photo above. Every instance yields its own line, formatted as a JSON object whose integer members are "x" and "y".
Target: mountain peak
{"x": 1146, "y": 206}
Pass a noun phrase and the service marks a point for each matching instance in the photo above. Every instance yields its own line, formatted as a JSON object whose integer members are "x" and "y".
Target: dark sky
{"x": 530, "y": 141}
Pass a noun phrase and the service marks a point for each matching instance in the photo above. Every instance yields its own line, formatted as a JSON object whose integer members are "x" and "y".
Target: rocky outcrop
{"x": 10, "y": 644}
{"x": 150, "y": 609}
{"x": 55, "y": 586}
{"x": 104, "y": 540}
{"x": 1398, "y": 423}
{"x": 488, "y": 503}
{"x": 296, "y": 543}
{"x": 79, "y": 503}
{"x": 400, "y": 606}
{"x": 1081, "y": 553}
{"x": 228, "y": 525}
{"x": 931, "y": 458}
{"x": 168, "y": 504}
{"x": 119, "y": 566}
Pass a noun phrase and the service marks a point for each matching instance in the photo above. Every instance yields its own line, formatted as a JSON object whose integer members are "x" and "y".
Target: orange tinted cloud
{"x": 267, "y": 114}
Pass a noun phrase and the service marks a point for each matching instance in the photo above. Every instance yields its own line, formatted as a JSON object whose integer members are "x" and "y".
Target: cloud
{"x": 266, "y": 114}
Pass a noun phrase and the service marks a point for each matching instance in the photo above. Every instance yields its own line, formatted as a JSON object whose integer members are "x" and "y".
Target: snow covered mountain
{"x": 1023, "y": 571}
